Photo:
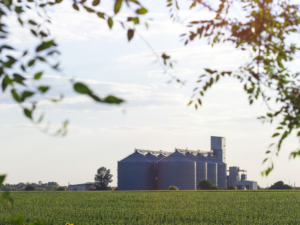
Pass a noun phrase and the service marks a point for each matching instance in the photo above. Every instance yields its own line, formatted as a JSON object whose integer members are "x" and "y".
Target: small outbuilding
{"x": 81, "y": 187}
{"x": 245, "y": 185}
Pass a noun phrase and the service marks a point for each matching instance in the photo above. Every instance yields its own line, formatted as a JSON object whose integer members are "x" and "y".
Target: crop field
{"x": 158, "y": 207}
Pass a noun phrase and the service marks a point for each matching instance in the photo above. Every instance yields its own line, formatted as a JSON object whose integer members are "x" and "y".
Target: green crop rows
{"x": 158, "y": 207}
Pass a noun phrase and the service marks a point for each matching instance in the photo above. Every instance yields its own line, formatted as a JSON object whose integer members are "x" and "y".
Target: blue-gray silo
{"x": 201, "y": 165}
{"x": 161, "y": 156}
{"x": 136, "y": 172}
{"x": 154, "y": 159}
{"x": 178, "y": 170}
{"x": 221, "y": 168}
{"x": 211, "y": 169}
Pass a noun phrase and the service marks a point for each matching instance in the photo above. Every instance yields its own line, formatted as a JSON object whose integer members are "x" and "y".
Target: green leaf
{"x": 28, "y": 113}
{"x": 96, "y": 2}
{"x": 32, "y": 22}
{"x": 101, "y": 15}
{"x": 110, "y": 22}
{"x": 18, "y": 78}
{"x": 89, "y": 9}
{"x": 27, "y": 94}
{"x": 276, "y": 134}
{"x": 210, "y": 71}
{"x": 112, "y": 100}
{"x": 130, "y": 34}
{"x": 41, "y": 118}
{"x": 118, "y": 5}
{"x": 6, "y": 81}
{"x": 38, "y": 75}
{"x": 43, "y": 89}
{"x": 15, "y": 95}
{"x": 31, "y": 62}
{"x": 81, "y": 88}
{"x": 2, "y": 178}
{"x": 141, "y": 11}
{"x": 135, "y": 20}
{"x": 190, "y": 103}
{"x": 45, "y": 45}
{"x": 75, "y": 6}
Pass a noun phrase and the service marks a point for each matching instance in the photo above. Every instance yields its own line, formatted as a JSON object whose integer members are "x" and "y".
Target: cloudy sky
{"x": 155, "y": 115}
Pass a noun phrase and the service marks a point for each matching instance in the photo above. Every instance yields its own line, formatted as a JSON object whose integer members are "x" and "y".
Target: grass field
{"x": 158, "y": 207}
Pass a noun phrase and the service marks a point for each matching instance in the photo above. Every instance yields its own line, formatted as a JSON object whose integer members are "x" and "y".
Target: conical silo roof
{"x": 176, "y": 157}
{"x": 203, "y": 158}
{"x": 214, "y": 159}
{"x": 152, "y": 157}
{"x": 136, "y": 157}
{"x": 161, "y": 156}
{"x": 193, "y": 157}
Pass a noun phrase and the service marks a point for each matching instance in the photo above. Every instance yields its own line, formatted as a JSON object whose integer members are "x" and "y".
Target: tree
{"x": 29, "y": 188}
{"x": 173, "y": 188}
{"x": 280, "y": 185}
{"x": 262, "y": 29}
{"x": 206, "y": 184}
{"x": 231, "y": 187}
{"x": 103, "y": 178}
{"x": 61, "y": 188}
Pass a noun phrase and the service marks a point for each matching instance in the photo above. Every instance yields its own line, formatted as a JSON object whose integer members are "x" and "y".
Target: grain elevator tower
{"x": 218, "y": 146}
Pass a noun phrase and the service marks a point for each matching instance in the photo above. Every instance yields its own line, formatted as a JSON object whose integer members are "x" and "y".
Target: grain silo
{"x": 161, "y": 156}
{"x": 152, "y": 157}
{"x": 178, "y": 170}
{"x": 221, "y": 174}
{"x": 211, "y": 169}
{"x": 136, "y": 172}
{"x": 201, "y": 165}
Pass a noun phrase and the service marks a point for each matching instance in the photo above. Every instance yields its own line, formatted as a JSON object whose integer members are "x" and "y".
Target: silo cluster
{"x": 153, "y": 170}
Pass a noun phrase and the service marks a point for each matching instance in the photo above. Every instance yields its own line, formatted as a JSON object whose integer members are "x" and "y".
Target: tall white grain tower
{"x": 218, "y": 145}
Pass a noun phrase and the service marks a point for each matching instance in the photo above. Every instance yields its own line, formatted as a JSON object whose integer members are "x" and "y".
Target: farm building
{"x": 81, "y": 187}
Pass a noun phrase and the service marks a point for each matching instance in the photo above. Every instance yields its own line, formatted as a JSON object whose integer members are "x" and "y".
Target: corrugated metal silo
{"x": 178, "y": 170}
{"x": 136, "y": 172}
{"x": 211, "y": 169}
{"x": 221, "y": 178}
{"x": 152, "y": 157}
{"x": 161, "y": 156}
{"x": 201, "y": 164}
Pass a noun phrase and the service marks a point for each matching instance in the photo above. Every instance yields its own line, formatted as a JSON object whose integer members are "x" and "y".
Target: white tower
{"x": 218, "y": 145}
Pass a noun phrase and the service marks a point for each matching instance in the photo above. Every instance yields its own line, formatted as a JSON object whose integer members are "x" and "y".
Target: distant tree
{"x": 61, "y": 188}
{"x": 205, "y": 184}
{"x": 103, "y": 178}
{"x": 280, "y": 185}
{"x": 29, "y": 188}
{"x": 231, "y": 187}
{"x": 173, "y": 188}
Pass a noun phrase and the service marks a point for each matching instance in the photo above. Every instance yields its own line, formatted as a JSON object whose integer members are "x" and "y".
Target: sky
{"x": 155, "y": 115}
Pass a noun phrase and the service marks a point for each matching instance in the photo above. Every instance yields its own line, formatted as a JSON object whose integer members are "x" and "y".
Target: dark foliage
{"x": 280, "y": 185}
{"x": 230, "y": 188}
{"x": 103, "y": 178}
{"x": 206, "y": 184}
{"x": 61, "y": 188}
{"x": 29, "y": 188}
{"x": 173, "y": 188}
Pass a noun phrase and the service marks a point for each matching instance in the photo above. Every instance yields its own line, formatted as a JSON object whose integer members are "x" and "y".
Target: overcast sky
{"x": 155, "y": 115}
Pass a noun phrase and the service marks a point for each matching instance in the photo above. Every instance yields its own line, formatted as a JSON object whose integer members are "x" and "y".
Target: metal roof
{"x": 205, "y": 159}
{"x": 194, "y": 158}
{"x": 211, "y": 158}
{"x": 176, "y": 157}
{"x": 136, "y": 157}
{"x": 151, "y": 157}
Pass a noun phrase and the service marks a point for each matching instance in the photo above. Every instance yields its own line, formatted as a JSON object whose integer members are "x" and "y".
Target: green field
{"x": 158, "y": 207}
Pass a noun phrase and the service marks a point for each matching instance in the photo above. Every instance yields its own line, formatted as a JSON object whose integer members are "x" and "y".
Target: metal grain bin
{"x": 201, "y": 164}
{"x": 136, "y": 172}
{"x": 161, "y": 156}
{"x": 152, "y": 157}
{"x": 221, "y": 174}
{"x": 211, "y": 169}
{"x": 178, "y": 170}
